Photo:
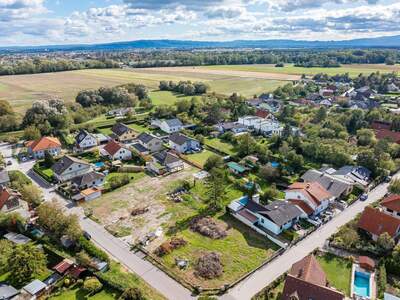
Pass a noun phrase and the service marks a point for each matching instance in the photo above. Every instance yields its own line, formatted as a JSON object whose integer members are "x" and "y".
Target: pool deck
{"x": 372, "y": 282}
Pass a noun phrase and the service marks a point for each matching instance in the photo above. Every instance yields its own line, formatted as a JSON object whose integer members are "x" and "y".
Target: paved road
{"x": 266, "y": 275}
{"x": 115, "y": 247}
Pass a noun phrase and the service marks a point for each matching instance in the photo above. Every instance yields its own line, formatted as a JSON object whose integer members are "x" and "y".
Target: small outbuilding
{"x": 366, "y": 263}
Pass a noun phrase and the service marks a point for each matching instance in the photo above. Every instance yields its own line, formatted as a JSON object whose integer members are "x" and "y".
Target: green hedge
{"x": 92, "y": 250}
{"x": 38, "y": 170}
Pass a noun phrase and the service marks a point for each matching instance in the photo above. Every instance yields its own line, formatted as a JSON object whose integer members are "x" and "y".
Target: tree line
{"x": 184, "y": 87}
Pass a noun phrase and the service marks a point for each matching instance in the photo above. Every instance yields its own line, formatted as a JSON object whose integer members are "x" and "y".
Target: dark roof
{"x": 281, "y": 212}
{"x": 145, "y": 137}
{"x": 81, "y": 136}
{"x": 358, "y": 171}
{"x": 248, "y": 215}
{"x": 166, "y": 158}
{"x": 179, "y": 139}
{"x": 173, "y": 122}
{"x": 255, "y": 207}
{"x": 65, "y": 162}
{"x": 139, "y": 148}
{"x": 87, "y": 178}
{"x": 120, "y": 128}
{"x": 376, "y": 222}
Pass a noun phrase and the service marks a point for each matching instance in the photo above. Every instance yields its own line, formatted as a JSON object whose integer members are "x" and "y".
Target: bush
{"x": 382, "y": 281}
{"x": 208, "y": 227}
{"x": 92, "y": 285}
{"x": 209, "y": 266}
{"x": 92, "y": 250}
{"x": 169, "y": 246}
{"x": 132, "y": 294}
{"x": 118, "y": 181}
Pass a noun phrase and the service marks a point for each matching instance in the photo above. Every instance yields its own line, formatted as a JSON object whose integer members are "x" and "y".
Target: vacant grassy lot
{"x": 201, "y": 157}
{"x": 79, "y": 294}
{"x": 166, "y": 98}
{"x": 353, "y": 70}
{"x": 338, "y": 271}
{"x": 221, "y": 145}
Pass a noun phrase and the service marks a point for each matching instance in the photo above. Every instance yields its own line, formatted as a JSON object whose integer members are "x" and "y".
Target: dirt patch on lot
{"x": 231, "y": 73}
{"x": 114, "y": 209}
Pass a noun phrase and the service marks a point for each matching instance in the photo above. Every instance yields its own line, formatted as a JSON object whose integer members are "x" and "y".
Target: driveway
{"x": 116, "y": 248}
{"x": 266, "y": 275}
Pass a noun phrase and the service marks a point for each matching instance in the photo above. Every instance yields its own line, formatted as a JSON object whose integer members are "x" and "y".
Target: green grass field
{"x": 79, "y": 294}
{"x": 201, "y": 157}
{"x": 353, "y": 70}
{"x": 166, "y": 98}
{"x": 221, "y": 145}
{"x": 338, "y": 271}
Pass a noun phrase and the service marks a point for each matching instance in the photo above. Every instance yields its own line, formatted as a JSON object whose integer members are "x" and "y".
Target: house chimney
{"x": 256, "y": 198}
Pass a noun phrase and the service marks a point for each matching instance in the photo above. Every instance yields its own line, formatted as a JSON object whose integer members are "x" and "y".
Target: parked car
{"x": 87, "y": 236}
{"x": 388, "y": 179}
{"x": 364, "y": 197}
{"x": 9, "y": 163}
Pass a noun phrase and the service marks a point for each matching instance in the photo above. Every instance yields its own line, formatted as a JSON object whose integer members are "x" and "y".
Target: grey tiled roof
{"x": 65, "y": 162}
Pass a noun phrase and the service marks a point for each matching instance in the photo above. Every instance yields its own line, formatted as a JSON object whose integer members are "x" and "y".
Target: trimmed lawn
{"x": 48, "y": 172}
{"x": 166, "y": 98}
{"x": 221, "y": 145}
{"x": 338, "y": 271}
{"x": 201, "y": 157}
{"x": 79, "y": 294}
{"x": 133, "y": 177}
{"x": 241, "y": 251}
{"x": 138, "y": 128}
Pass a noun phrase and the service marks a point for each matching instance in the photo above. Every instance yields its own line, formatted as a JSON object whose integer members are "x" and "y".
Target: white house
{"x": 183, "y": 144}
{"x": 169, "y": 125}
{"x": 85, "y": 140}
{"x": 88, "y": 180}
{"x": 38, "y": 148}
{"x": 69, "y": 167}
{"x": 150, "y": 142}
{"x": 269, "y": 128}
{"x": 165, "y": 162}
{"x": 311, "y": 197}
{"x": 88, "y": 194}
{"x": 250, "y": 121}
{"x": 115, "y": 151}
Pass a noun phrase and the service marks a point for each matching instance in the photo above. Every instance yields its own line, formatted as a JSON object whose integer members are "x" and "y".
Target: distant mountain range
{"x": 379, "y": 42}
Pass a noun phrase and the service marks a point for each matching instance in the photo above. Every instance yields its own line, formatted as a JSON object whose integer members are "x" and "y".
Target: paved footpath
{"x": 117, "y": 249}
{"x": 266, "y": 275}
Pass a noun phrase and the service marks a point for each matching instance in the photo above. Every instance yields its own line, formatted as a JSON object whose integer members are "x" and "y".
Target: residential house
{"x": 33, "y": 290}
{"x": 264, "y": 114}
{"x": 383, "y": 130}
{"x": 7, "y": 292}
{"x": 121, "y": 112}
{"x": 17, "y": 238}
{"x": 255, "y": 102}
{"x": 311, "y": 197}
{"x": 150, "y": 142}
{"x": 233, "y": 127}
{"x": 168, "y": 125}
{"x": 88, "y": 180}
{"x": 364, "y": 93}
{"x": 273, "y": 218}
{"x": 236, "y": 168}
{"x": 10, "y": 200}
{"x": 63, "y": 266}
{"x": 267, "y": 127}
{"x": 69, "y": 167}
{"x": 85, "y": 140}
{"x": 88, "y": 194}
{"x": 393, "y": 88}
{"x": 38, "y": 148}
{"x": 391, "y": 205}
{"x": 250, "y": 121}
{"x": 4, "y": 178}
{"x": 140, "y": 149}
{"x": 115, "y": 151}
{"x": 165, "y": 162}
{"x": 375, "y": 222}
{"x": 336, "y": 186}
{"x": 307, "y": 280}
{"x": 122, "y": 133}
{"x": 183, "y": 144}
{"x": 358, "y": 175}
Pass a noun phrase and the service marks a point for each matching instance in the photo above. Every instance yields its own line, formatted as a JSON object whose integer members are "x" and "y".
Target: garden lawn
{"x": 79, "y": 294}
{"x": 241, "y": 251}
{"x": 201, "y": 157}
{"x": 166, "y": 98}
{"x": 338, "y": 271}
{"x": 221, "y": 145}
{"x": 132, "y": 176}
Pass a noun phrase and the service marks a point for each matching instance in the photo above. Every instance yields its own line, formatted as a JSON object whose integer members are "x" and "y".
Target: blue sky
{"x": 42, "y": 22}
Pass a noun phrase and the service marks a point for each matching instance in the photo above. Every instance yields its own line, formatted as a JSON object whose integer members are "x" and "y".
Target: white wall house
{"x": 69, "y": 167}
{"x": 169, "y": 125}
{"x": 85, "y": 140}
{"x": 183, "y": 144}
{"x": 115, "y": 151}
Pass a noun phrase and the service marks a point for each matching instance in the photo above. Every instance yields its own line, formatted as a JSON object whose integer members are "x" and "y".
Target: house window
{"x": 262, "y": 220}
{"x": 389, "y": 210}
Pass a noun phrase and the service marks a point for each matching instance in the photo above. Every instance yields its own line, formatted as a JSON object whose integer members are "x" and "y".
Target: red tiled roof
{"x": 388, "y": 134}
{"x": 247, "y": 215}
{"x": 366, "y": 263}
{"x": 313, "y": 190}
{"x": 381, "y": 125}
{"x": 303, "y": 290}
{"x": 309, "y": 269}
{"x": 76, "y": 271}
{"x": 63, "y": 266}
{"x": 4, "y": 195}
{"x": 262, "y": 113}
{"x": 392, "y": 202}
{"x": 112, "y": 147}
{"x": 44, "y": 143}
{"x": 377, "y": 222}
{"x": 303, "y": 206}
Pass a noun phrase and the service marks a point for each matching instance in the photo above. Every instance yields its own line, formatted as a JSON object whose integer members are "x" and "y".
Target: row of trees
{"x": 184, "y": 87}
{"x": 37, "y": 65}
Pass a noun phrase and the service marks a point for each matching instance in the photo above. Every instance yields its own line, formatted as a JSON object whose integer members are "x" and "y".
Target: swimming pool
{"x": 99, "y": 164}
{"x": 361, "y": 284}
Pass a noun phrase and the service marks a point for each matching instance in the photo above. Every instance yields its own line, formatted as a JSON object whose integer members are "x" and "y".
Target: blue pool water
{"x": 244, "y": 200}
{"x": 274, "y": 164}
{"x": 99, "y": 164}
{"x": 361, "y": 284}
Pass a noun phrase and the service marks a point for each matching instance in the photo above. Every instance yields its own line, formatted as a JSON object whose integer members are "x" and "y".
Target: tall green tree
{"x": 216, "y": 188}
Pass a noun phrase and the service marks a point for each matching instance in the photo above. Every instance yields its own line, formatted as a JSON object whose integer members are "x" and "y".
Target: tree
{"x": 132, "y": 294}
{"x": 216, "y": 187}
{"x": 366, "y": 137}
{"x": 6, "y": 250}
{"x": 32, "y": 133}
{"x": 31, "y": 194}
{"x": 268, "y": 173}
{"x": 92, "y": 285}
{"x": 394, "y": 186}
{"x": 385, "y": 242}
{"x": 26, "y": 263}
{"x": 214, "y": 161}
{"x": 48, "y": 159}
{"x": 246, "y": 144}
{"x": 320, "y": 115}
{"x": 83, "y": 259}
